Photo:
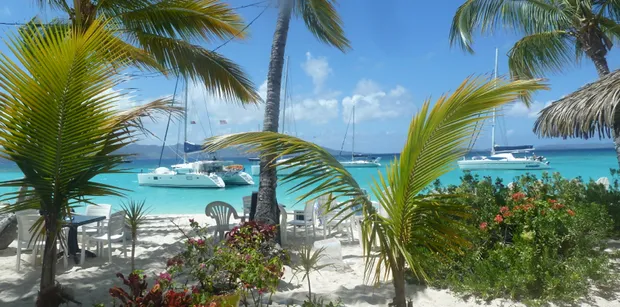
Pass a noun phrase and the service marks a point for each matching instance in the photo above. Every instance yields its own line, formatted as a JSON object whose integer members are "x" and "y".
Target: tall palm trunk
{"x": 595, "y": 46}
{"x": 267, "y": 205}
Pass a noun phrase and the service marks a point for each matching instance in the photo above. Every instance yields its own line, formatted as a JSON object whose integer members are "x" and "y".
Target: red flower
{"x": 503, "y": 209}
{"x": 570, "y": 212}
{"x": 499, "y": 219}
{"x": 201, "y": 242}
{"x": 191, "y": 220}
{"x": 557, "y": 206}
{"x": 552, "y": 201}
{"x": 483, "y": 226}
{"x": 518, "y": 196}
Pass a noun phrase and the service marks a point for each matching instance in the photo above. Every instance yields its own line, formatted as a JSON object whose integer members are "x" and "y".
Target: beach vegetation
{"x": 135, "y": 216}
{"x": 309, "y": 261}
{"x": 163, "y": 37}
{"x": 246, "y": 267}
{"x": 404, "y": 222}
{"x": 323, "y": 21}
{"x": 61, "y": 125}
{"x": 540, "y": 240}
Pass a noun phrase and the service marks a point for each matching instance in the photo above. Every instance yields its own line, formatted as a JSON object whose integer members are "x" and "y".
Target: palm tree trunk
{"x": 594, "y": 46}
{"x": 267, "y": 205}
{"x": 48, "y": 272}
{"x": 600, "y": 62}
{"x": 134, "y": 237}
{"x": 398, "y": 279}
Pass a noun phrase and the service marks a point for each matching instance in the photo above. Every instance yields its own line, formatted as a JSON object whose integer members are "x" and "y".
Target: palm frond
{"x": 535, "y": 54}
{"x": 220, "y": 75}
{"x": 323, "y": 21}
{"x": 180, "y": 19}
{"x": 437, "y": 138}
{"x": 522, "y": 16}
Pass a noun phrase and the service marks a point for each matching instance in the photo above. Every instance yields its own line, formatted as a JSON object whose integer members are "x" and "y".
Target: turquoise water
{"x": 573, "y": 163}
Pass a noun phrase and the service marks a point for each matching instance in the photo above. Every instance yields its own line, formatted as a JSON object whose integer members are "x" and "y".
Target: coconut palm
{"x": 437, "y": 137}
{"x": 556, "y": 33}
{"x": 163, "y": 34}
{"x": 60, "y": 124}
{"x": 322, "y": 20}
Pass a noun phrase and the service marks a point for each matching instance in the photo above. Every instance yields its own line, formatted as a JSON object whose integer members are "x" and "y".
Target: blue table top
{"x": 79, "y": 220}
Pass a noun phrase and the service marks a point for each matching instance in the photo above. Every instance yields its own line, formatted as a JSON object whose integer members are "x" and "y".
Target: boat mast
{"x": 493, "y": 122}
{"x": 285, "y": 90}
{"x": 185, "y": 123}
{"x": 353, "y": 137}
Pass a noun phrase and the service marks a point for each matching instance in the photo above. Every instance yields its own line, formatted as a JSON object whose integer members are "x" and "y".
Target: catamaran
{"x": 198, "y": 174}
{"x": 503, "y": 157}
{"x": 359, "y": 160}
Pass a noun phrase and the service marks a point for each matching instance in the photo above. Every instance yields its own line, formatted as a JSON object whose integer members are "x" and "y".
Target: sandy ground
{"x": 160, "y": 240}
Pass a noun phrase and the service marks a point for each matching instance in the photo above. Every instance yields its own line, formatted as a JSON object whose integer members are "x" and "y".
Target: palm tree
{"x": 59, "y": 125}
{"x": 162, "y": 36}
{"x": 135, "y": 216}
{"x": 556, "y": 33}
{"x": 322, "y": 20}
{"x": 437, "y": 137}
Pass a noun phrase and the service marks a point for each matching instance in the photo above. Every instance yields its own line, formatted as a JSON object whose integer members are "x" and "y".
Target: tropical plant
{"x": 135, "y": 215}
{"x": 556, "y": 33}
{"x": 437, "y": 137}
{"x": 162, "y": 35}
{"x": 309, "y": 261}
{"x": 59, "y": 123}
{"x": 322, "y": 20}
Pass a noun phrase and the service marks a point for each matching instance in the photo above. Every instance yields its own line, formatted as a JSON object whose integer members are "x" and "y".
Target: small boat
{"x": 358, "y": 160}
{"x": 228, "y": 171}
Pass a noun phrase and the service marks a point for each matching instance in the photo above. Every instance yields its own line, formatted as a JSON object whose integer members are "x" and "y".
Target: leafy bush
{"x": 208, "y": 274}
{"x": 537, "y": 241}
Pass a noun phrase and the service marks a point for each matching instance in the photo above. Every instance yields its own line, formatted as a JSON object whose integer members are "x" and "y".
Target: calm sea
{"x": 571, "y": 163}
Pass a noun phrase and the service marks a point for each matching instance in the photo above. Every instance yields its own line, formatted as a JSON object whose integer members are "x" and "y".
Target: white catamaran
{"x": 359, "y": 160}
{"x": 502, "y": 157}
{"x": 199, "y": 174}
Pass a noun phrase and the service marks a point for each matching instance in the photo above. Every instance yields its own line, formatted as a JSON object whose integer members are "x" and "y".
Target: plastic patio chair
{"x": 27, "y": 239}
{"x": 305, "y": 218}
{"x": 247, "y": 205}
{"x": 221, "y": 212}
{"x": 114, "y": 231}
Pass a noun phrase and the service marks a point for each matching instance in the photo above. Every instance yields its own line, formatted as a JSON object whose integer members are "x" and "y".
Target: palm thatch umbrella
{"x": 590, "y": 111}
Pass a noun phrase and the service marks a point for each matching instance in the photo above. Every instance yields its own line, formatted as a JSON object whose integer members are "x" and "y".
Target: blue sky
{"x": 400, "y": 57}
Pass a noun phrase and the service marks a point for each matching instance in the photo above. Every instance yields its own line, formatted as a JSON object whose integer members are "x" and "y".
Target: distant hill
{"x": 152, "y": 152}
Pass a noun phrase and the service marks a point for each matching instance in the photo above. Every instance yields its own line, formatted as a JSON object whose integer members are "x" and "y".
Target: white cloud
{"x": 317, "y": 111}
{"x": 318, "y": 69}
{"x": 371, "y": 102}
{"x": 518, "y": 109}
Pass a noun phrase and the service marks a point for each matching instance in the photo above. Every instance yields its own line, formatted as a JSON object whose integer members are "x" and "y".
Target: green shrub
{"x": 538, "y": 241}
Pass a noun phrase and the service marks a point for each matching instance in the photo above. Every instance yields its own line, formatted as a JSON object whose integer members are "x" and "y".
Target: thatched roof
{"x": 585, "y": 113}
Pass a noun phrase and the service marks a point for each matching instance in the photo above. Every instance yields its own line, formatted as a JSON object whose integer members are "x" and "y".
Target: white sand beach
{"x": 160, "y": 239}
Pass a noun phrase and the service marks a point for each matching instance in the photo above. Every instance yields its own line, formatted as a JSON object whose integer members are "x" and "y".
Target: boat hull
{"x": 180, "y": 180}
{"x": 360, "y": 165}
{"x": 501, "y": 165}
{"x": 236, "y": 178}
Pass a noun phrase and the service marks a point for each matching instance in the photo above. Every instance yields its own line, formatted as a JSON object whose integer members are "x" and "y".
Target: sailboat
{"x": 359, "y": 160}
{"x": 502, "y": 157}
{"x": 199, "y": 174}
{"x": 282, "y": 170}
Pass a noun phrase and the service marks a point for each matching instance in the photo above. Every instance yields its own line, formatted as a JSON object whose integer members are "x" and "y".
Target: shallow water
{"x": 573, "y": 163}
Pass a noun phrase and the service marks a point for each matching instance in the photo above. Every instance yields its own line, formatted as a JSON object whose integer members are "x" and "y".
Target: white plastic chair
{"x": 333, "y": 220}
{"x": 221, "y": 212}
{"x": 97, "y": 210}
{"x": 114, "y": 232}
{"x": 305, "y": 218}
{"x": 283, "y": 224}
{"x": 247, "y": 206}
{"x": 26, "y": 238}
